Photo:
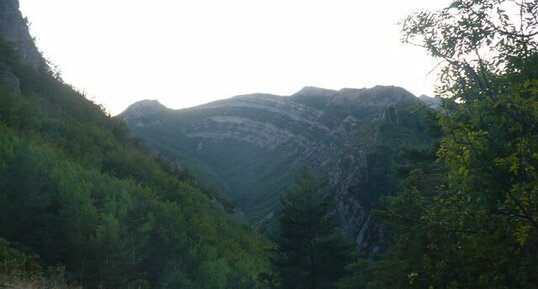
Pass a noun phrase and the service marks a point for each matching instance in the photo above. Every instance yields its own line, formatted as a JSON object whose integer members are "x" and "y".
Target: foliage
{"x": 18, "y": 269}
{"x": 313, "y": 251}
{"x": 16, "y": 266}
{"x": 470, "y": 219}
{"x": 476, "y": 41}
{"x": 78, "y": 191}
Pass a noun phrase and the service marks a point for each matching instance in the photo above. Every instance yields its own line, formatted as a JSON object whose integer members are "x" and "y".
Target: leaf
{"x": 522, "y": 234}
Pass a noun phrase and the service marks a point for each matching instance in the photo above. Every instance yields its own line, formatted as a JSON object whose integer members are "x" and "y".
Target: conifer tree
{"x": 313, "y": 251}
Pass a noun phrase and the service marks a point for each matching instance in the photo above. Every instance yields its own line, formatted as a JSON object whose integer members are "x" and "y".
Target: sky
{"x": 188, "y": 52}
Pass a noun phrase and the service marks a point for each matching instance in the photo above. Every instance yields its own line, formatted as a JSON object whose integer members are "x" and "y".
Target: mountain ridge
{"x": 305, "y": 92}
{"x": 250, "y": 146}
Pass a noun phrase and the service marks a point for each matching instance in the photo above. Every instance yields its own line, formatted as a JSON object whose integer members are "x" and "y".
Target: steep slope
{"x": 78, "y": 191}
{"x": 251, "y": 146}
{"x": 14, "y": 29}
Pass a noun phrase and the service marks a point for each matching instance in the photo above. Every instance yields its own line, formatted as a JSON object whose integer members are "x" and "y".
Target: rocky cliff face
{"x": 14, "y": 29}
{"x": 251, "y": 146}
{"x": 14, "y": 33}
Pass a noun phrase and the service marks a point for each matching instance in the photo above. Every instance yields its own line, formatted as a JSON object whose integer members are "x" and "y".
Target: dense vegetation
{"x": 312, "y": 252}
{"x": 468, "y": 214}
{"x": 83, "y": 202}
{"x": 78, "y": 192}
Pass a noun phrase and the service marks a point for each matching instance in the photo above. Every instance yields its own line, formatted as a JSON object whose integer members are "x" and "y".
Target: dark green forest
{"x": 81, "y": 196}
{"x": 467, "y": 215}
{"x": 84, "y": 203}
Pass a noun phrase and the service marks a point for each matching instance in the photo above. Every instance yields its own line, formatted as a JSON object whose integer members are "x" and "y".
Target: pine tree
{"x": 313, "y": 251}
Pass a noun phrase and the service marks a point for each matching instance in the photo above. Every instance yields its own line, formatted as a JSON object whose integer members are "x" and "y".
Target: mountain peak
{"x": 312, "y": 91}
{"x": 379, "y": 92}
{"x": 376, "y": 97}
{"x": 143, "y": 107}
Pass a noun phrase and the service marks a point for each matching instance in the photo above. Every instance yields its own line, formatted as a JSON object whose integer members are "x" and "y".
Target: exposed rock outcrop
{"x": 432, "y": 102}
{"x": 14, "y": 29}
{"x": 251, "y": 146}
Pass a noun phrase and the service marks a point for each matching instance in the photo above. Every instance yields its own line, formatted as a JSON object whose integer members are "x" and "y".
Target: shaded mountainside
{"x": 251, "y": 146}
{"x": 14, "y": 29}
{"x": 81, "y": 196}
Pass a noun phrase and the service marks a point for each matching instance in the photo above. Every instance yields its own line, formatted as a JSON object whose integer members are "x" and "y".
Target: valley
{"x": 251, "y": 147}
{"x": 356, "y": 188}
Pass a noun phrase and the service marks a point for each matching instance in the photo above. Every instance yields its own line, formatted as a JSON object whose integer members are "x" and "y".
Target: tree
{"x": 313, "y": 251}
{"x": 490, "y": 48}
{"x": 475, "y": 222}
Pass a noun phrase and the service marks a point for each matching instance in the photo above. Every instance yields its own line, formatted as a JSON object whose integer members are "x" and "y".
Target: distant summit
{"x": 142, "y": 108}
{"x": 150, "y": 105}
{"x": 349, "y": 98}
{"x": 251, "y": 146}
{"x": 311, "y": 91}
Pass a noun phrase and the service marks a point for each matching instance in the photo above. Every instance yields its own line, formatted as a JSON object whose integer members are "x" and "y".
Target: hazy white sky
{"x": 188, "y": 52}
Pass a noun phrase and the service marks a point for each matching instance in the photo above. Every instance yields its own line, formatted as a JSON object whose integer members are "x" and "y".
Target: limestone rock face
{"x": 433, "y": 102}
{"x": 14, "y": 29}
{"x": 251, "y": 147}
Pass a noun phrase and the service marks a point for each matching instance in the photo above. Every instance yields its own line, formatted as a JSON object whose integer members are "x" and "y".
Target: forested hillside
{"x": 252, "y": 146}
{"x": 399, "y": 195}
{"x": 79, "y": 193}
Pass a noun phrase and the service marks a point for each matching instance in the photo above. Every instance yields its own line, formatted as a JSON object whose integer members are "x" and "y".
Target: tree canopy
{"x": 468, "y": 218}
